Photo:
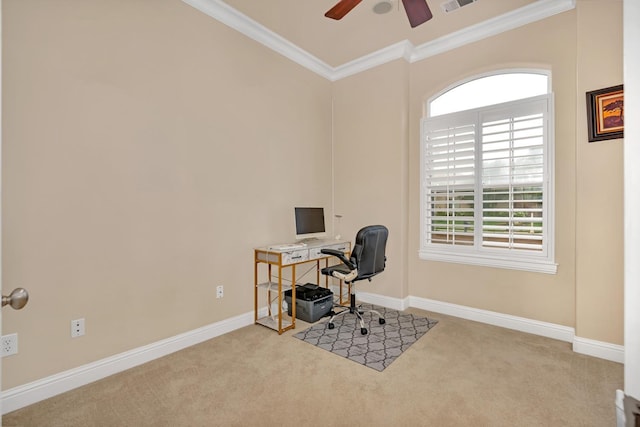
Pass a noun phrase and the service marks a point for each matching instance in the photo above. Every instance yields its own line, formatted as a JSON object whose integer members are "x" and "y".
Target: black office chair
{"x": 367, "y": 259}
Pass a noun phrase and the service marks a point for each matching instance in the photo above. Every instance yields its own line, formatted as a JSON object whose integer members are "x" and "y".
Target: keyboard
{"x": 287, "y": 246}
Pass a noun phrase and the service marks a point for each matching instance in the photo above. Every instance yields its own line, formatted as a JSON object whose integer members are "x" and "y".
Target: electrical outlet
{"x": 77, "y": 328}
{"x": 9, "y": 344}
{"x": 220, "y": 291}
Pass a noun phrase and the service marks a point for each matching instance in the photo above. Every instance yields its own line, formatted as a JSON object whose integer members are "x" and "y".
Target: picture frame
{"x": 605, "y": 113}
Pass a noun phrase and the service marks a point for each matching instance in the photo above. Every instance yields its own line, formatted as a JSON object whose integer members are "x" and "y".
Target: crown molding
{"x": 533, "y": 12}
{"x": 229, "y": 16}
{"x": 403, "y": 49}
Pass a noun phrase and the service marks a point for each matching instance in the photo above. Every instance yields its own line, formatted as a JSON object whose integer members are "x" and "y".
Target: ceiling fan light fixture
{"x": 383, "y": 7}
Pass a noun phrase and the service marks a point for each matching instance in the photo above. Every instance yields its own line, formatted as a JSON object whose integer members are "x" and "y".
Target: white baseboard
{"x": 549, "y": 330}
{"x": 599, "y": 349}
{"x": 603, "y": 350}
{"x": 27, "y": 394}
{"x": 389, "y": 302}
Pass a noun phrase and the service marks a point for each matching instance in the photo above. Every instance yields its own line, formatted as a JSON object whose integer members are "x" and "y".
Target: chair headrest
{"x": 369, "y": 250}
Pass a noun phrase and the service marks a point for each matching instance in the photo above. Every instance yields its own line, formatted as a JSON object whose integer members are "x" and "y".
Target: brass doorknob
{"x": 17, "y": 299}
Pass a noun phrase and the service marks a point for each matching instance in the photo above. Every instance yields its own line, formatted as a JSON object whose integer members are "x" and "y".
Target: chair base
{"x": 353, "y": 309}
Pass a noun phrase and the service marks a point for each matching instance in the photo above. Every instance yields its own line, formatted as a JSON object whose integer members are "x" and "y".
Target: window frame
{"x": 536, "y": 261}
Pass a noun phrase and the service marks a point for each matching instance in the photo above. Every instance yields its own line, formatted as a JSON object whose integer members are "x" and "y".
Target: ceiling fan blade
{"x": 418, "y": 12}
{"x": 341, "y": 8}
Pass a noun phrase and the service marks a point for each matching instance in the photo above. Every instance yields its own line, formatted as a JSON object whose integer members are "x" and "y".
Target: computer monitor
{"x": 309, "y": 223}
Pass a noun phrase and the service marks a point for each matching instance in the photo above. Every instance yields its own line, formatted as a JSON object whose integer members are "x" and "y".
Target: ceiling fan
{"x": 418, "y": 11}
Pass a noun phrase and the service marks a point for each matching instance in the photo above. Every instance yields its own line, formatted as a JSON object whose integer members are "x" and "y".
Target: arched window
{"x": 487, "y": 173}
{"x": 488, "y": 90}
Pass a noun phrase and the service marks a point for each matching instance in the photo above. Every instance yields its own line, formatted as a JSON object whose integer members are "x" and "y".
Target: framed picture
{"x": 605, "y": 113}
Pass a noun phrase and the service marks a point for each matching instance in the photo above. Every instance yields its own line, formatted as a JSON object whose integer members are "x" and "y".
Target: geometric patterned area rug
{"x": 380, "y": 347}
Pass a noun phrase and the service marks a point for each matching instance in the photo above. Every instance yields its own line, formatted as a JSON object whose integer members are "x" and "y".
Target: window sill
{"x": 536, "y": 265}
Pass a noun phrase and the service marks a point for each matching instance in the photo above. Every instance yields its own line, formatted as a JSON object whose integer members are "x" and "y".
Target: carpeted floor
{"x": 461, "y": 373}
{"x": 380, "y": 346}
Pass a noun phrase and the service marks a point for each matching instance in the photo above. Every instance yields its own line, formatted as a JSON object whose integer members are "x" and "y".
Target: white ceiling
{"x": 299, "y": 30}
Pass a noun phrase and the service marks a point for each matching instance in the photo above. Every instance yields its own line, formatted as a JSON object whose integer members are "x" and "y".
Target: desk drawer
{"x": 315, "y": 253}
{"x": 342, "y": 247}
{"x": 295, "y": 256}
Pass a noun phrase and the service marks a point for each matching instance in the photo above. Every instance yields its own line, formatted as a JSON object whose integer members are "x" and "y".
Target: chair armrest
{"x": 340, "y": 255}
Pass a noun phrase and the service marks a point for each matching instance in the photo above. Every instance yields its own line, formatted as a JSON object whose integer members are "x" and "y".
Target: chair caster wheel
{"x": 331, "y": 325}
{"x": 381, "y": 321}
{"x": 363, "y": 331}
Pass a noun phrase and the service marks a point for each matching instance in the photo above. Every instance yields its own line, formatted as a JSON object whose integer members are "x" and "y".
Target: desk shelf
{"x": 272, "y": 323}
{"x": 271, "y": 319}
{"x": 276, "y": 262}
{"x": 273, "y": 286}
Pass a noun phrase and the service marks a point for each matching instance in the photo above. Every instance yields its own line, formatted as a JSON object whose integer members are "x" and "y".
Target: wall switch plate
{"x": 77, "y": 328}
{"x": 220, "y": 291}
{"x": 9, "y": 345}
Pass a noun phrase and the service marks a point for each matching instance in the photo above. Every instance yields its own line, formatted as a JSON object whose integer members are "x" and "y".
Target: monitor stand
{"x": 310, "y": 240}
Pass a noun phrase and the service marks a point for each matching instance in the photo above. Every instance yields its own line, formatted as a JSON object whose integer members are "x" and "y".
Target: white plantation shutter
{"x": 486, "y": 190}
{"x": 513, "y": 176}
{"x": 449, "y": 179}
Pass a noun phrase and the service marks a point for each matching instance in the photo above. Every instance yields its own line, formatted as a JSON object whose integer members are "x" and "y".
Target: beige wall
{"x": 147, "y": 149}
{"x": 599, "y": 220}
{"x": 370, "y": 162}
{"x": 586, "y": 291}
{"x": 551, "y": 298}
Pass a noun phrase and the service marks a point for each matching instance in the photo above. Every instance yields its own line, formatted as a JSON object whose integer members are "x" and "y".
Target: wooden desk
{"x": 280, "y": 260}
